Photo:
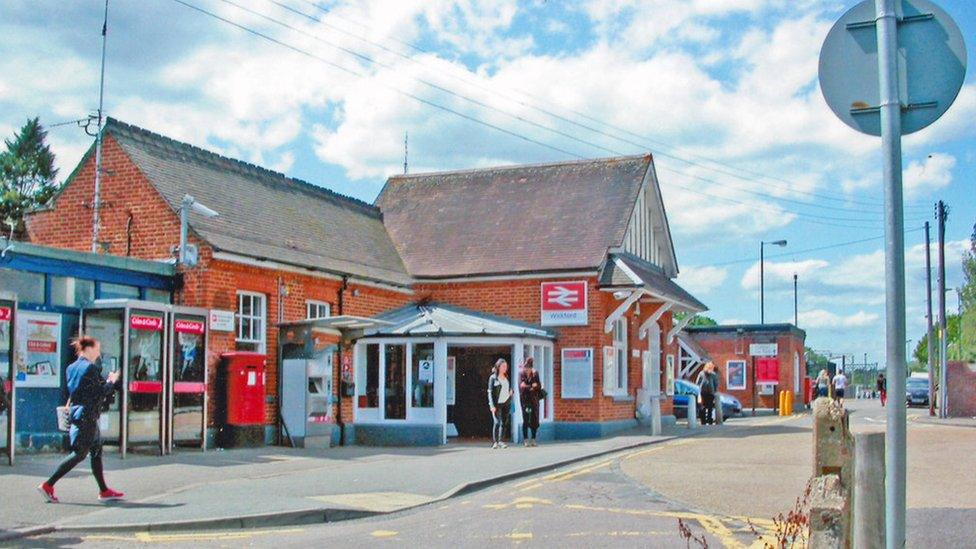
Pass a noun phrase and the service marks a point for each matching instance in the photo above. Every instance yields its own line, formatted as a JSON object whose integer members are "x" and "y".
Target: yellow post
{"x": 782, "y": 403}
{"x": 789, "y": 403}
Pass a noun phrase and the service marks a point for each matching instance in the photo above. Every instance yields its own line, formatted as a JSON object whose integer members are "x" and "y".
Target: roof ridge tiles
{"x": 514, "y": 167}
{"x": 179, "y": 147}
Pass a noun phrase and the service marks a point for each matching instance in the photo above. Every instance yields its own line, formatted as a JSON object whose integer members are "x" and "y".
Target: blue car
{"x": 685, "y": 391}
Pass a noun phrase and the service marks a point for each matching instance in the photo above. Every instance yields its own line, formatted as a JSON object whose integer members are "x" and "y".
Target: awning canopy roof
{"x": 340, "y": 323}
{"x": 624, "y": 270}
{"x": 435, "y": 320}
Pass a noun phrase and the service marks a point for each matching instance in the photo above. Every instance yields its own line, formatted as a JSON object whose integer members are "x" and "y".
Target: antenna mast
{"x": 405, "y": 150}
{"x": 97, "y": 201}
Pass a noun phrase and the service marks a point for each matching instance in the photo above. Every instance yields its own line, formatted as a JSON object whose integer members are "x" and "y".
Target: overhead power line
{"x": 537, "y": 107}
{"x": 516, "y": 117}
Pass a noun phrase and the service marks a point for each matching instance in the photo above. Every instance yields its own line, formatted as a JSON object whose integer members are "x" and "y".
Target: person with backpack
{"x": 708, "y": 390}
{"x": 530, "y": 394}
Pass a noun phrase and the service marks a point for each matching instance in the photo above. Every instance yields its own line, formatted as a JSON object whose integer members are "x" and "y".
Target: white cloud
{"x": 776, "y": 273}
{"x": 932, "y": 174}
{"x": 826, "y": 320}
{"x": 702, "y": 280}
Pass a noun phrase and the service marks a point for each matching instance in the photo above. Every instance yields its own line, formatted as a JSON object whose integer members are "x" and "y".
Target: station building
{"x": 380, "y": 322}
{"x": 754, "y": 361}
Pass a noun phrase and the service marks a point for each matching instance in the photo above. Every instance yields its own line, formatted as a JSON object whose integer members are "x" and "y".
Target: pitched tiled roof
{"x": 264, "y": 214}
{"x": 546, "y": 217}
{"x": 628, "y": 270}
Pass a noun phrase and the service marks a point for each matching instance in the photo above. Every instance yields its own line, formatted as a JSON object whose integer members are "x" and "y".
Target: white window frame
{"x": 261, "y": 318}
{"x": 616, "y": 384}
{"x": 745, "y": 377}
{"x": 311, "y": 304}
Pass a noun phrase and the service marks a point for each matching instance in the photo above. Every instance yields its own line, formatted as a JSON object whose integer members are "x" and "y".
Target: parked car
{"x": 685, "y": 391}
{"x": 917, "y": 391}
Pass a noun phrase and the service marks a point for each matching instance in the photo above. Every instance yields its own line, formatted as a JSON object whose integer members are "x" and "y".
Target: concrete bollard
{"x": 833, "y": 456}
{"x": 719, "y": 416}
{"x": 692, "y": 412}
{"x": 829, "y": 512}
{"x": 869, "y": 491}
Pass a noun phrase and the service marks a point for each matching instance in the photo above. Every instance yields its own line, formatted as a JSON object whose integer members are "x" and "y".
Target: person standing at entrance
{"x": 840, "y": 385}
{"x": 499, "y": 402}
{"x": 882, "y": 388}
{"x": 708, "y": 386}
{"x": 87, "y": 393}
{"x": 530, "y": 393}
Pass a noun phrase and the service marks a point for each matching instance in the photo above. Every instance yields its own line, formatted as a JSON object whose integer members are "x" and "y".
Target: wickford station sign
{"x": 564, "y": 304}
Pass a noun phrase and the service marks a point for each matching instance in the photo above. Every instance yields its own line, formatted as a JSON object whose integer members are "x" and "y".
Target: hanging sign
{"x": 149, "y": 323}
{"x": 763, "y": 349}
{"x": 38, "y": 353}
{"x": 564, "y": 304}
{"x": 577, "y": 373}
{"x": 221, "y": 321}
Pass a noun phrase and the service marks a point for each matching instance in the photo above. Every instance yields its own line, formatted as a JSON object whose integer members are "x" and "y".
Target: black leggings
{"x": 500, "y": 421}
{"x": 85, "y": 439}
{"x": 530, "y": 421}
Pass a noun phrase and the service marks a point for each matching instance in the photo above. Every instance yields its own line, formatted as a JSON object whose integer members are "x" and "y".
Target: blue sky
{"x": 723, "y": 92}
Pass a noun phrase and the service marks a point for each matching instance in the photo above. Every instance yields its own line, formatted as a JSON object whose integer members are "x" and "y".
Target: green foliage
{"x": 968, "y": 290}
{"x": 27, "y": 174}
{"x": 697, "y": 320}
{"x": 815, "y": 361}
{"x": 953, "y": 324}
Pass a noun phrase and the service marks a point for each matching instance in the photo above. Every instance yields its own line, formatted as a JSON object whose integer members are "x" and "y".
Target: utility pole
{"x": 928, "y": 317}
{"x": 796, "y": 309}
{"x": 942, "y": 212}
{"x": 762, "y": 280}
{"x": 97, "y": 201}
{"x": 405, "y": 151}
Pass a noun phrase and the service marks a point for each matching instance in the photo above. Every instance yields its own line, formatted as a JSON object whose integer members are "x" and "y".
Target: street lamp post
{"x": 796, "y": 308}
{"x": 762, "y": 276}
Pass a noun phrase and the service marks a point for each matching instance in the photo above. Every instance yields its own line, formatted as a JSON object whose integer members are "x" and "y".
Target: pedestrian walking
{"x": 882, "y": 386}
{"x": 840, "y": 385}
{"x": 823, "y": 384}
{"x": 87, "y": 393}
{"x": 530, "y": 393}
{"x": 499, "y": 402}
{"x": 707, "y": 390}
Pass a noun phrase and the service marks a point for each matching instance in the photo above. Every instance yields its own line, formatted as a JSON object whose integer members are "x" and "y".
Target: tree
{"x": 697, "y": 320}
{"x": 953, "y": 324}
{"x": 27, "y": 175}
{"x": 968, "y": 290}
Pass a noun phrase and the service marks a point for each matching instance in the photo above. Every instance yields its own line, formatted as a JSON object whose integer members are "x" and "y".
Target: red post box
{"x": 246, "y": 387}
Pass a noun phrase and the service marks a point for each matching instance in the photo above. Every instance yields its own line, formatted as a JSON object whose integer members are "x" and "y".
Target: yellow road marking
{"x": 519, "y": 503}
{"x": 519, "y": 535}
{"x": 383, "y": 533}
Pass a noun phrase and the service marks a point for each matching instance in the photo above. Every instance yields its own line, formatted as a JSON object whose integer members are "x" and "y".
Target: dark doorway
{"x": 470, "y": 413}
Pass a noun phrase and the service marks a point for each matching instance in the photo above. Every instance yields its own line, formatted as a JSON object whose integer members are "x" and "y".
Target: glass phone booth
{"x": 187, "y": 405}
{"x": 8, "y": 400}
{"x": 135, "y": 340}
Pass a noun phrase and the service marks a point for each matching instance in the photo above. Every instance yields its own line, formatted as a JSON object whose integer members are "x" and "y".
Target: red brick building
{"x": 740, "y": 353}
{"x": 521, "y": 261}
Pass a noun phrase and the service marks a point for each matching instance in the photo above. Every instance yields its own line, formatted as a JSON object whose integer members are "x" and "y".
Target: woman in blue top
{"x": 87, "y": 393}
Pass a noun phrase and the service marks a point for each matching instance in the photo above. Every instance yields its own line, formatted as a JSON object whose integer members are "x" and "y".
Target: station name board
{"x": 564, "y": 304}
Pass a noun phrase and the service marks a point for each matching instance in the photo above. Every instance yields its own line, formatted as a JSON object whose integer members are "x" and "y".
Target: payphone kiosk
{"x": 161, "y": 352}
{"x": 187, "y": 405}
{"x": 8, "y": 388}
{"x": 306, "y": 384}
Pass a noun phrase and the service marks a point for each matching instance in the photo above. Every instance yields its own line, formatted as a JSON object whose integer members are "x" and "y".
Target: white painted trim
{"x": 621, "y": 310}
{"x": 665, "y": 307}
{"x": 271, "y": 264}
{"x": 680, "y": 326}
{"x": 547, "y": 276}
{"x": 627, "y": 271}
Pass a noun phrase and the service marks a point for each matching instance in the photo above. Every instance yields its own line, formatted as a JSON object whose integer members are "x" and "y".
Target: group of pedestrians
{"x": 838, "y": 382}
{"x": 500, "y": 393}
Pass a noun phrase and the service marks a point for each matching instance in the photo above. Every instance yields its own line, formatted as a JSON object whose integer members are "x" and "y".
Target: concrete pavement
{"x": 274, "y": 486}
{"x": 746, "y": 469}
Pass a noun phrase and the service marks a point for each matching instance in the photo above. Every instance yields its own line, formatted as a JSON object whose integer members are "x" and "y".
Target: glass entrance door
{"x": 145, "y": 373}
{"x": 7, "y": 397}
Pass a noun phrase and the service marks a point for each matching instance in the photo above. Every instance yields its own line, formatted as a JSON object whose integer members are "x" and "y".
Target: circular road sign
{"x": 931, "y": 66}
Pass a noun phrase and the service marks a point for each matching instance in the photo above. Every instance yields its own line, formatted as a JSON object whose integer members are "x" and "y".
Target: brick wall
{"x": 520, "y": 300}
{"x": 962, "y": 389}
{"x": 724, "y": 347}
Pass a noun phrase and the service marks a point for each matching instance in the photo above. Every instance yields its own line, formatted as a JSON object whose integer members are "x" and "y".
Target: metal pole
{"x": 796, "y": 309}
{"x": 943, "y": 324}
{"x": 930, "y": 337}
{"x": 184, "y": 223}
{"x": 97, "y": 201}
{"x": 762, "y": 303}
{"x": 890, "y": 110}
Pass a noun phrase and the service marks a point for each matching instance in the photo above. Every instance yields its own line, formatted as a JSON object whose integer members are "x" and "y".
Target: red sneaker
{"x": 47, "y": 491}
{"x": 109, "y": 494}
